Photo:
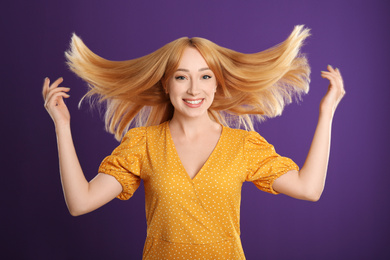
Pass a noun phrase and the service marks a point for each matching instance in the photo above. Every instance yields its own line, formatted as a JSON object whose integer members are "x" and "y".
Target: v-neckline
{"x": 178, "y": 157}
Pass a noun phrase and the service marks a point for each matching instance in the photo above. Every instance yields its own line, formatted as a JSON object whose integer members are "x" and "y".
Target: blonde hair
{"x": 250, "y": 86}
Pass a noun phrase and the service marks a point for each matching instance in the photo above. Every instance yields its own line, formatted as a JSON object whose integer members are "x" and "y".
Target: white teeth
{"x": 194, "y": 102}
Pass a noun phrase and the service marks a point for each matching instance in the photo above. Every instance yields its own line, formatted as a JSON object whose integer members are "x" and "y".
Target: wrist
{"x": 62, "y": 126}
{"x": 326, "y": 115}
{"x": 327, "y": 110}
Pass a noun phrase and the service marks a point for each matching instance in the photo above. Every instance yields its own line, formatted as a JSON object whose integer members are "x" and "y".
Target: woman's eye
{"x": 206, "y": 77}
{"x": 180, "y": 77}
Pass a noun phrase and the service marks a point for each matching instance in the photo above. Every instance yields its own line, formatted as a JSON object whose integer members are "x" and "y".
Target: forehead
{"x": 191, "y": 58}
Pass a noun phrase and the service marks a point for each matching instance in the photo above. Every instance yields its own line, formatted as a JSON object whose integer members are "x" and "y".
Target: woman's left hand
{"x": 335, "y": 92}
{"x": 309, "y": 183}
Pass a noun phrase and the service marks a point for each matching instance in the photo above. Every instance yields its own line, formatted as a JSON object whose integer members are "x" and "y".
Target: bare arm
{"x": 81, "y": 197}
{"x": 309, "y": 183}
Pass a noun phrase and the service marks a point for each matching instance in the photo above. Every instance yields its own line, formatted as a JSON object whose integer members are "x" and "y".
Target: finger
{"x": 339, "y": 73}
{"x": 53, "y": 92}
{"x": 332, "y": 82}
{"x": 335, "y": 71}
{"x": 328, "y": 75}
{"x": 331, "y": 71}
{"x": 341, "y": 80}
{"x": 60, "y": 99}
{"x": 56, "y": 100}
{"x": 330, "y": 68}
{"x": 334, "y": 75}
{"x": 56, "y": 83}
{"x": 45, "y": 88}
{"x": 56, "y": 90}
{"x": 336, "y": 85}
{"x": 332, "y": 79}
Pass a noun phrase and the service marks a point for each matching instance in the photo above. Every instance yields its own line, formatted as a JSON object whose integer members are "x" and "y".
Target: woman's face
{"x": 193, "y": 85}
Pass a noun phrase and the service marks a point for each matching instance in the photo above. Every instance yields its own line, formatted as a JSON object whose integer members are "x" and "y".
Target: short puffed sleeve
{"x": 264, "y": 165}
{"x": 125, "y": 162}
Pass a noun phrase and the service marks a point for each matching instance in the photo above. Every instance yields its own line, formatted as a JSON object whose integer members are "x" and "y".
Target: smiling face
{"x": 192, "y": 86}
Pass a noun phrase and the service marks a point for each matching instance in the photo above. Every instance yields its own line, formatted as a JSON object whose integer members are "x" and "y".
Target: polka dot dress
{"x": 195, "y": 218}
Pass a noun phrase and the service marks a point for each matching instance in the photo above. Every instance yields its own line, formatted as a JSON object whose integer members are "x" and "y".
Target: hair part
{"x": 251, "y": 87}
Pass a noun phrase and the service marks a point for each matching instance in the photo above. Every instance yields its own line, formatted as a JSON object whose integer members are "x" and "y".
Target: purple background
{"x": 351, "y": 221}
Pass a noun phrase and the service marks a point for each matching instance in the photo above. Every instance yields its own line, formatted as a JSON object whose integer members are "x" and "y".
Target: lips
{"x": 193, "y": 101}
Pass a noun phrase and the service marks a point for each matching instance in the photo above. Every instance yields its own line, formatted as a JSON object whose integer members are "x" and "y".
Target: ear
{"x": 165, "y": 87}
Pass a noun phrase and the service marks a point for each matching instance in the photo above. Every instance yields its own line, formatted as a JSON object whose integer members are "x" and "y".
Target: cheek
{"x": 173, "y": 90}
{"x": 174, "y": 94}
{"x": 213, "y": 88}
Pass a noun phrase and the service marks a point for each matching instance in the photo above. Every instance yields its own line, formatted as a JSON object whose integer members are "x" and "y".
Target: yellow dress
{"x": 195, "y": 218}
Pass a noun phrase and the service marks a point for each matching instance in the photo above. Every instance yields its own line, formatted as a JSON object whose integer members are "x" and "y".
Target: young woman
{"x": 183, "y": 97}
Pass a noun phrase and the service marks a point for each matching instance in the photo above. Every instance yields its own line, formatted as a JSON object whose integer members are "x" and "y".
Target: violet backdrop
{"x": 351, "y": 220}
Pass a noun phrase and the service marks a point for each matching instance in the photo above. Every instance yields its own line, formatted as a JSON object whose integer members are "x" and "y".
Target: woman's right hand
{"x": 54, "y": 101}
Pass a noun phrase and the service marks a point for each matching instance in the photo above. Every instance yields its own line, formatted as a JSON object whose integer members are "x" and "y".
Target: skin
{"x": 194, "y": 134}
{"x": 309, "y": 183}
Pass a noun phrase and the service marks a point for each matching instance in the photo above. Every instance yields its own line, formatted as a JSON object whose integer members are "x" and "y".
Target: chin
{"x": 193, "y": 114}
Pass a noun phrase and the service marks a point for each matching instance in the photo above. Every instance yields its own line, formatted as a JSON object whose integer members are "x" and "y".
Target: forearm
{"x": 310, "y": 181}
{"x": 313, "y": 173}
{"x": 80, "y": 196}
{"x": 74, "y": 184}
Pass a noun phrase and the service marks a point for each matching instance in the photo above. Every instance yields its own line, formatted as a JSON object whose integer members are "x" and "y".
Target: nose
{"x": 193, "y": 88}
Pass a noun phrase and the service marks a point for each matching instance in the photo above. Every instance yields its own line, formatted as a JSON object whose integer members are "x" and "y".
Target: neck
{"x": 191, "y": 127}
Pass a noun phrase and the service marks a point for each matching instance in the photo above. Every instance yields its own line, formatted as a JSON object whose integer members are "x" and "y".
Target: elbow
{"x": 77, "y": 211}
{"x": 313, "y": 196}
{"x": 74, "y": 213}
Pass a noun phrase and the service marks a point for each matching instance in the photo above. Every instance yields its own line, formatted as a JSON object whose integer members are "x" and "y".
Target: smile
{"x": 193, "y": 102}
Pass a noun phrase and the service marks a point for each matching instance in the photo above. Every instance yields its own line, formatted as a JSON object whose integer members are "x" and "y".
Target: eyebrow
{"x": 202, "y": 69}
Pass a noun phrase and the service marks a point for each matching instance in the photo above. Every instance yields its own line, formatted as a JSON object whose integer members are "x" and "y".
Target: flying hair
{"x": 250, "y": 87}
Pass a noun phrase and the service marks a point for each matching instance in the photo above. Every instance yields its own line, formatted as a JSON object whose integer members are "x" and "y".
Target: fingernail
{"x": 330, "y": 66}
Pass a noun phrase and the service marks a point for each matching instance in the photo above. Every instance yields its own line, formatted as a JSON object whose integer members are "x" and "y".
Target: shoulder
{"x": 135, "y": 132}
{"x": 234, "y": 131}
{"x": 157, "y": 128}
{"x": 248, "y": 139}
{"x": 241, "y": 134}
{"x": 145, "y": 131}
